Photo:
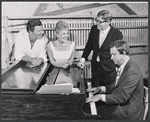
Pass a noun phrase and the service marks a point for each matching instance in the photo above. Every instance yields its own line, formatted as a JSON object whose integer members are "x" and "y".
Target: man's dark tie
{"x": 117, "y": 76}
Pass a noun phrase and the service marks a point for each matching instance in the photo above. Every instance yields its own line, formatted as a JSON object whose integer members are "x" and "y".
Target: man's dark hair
{"x": 32, "y": 23}
{"x": 121, "y": 45}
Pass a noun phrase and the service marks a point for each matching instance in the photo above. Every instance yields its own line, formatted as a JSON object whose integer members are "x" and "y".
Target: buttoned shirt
{"x": 23, "y": 46}
{"x": 123, "y": 65}
{"x": 102, "y": 36}
{"x": 101, "y": 40}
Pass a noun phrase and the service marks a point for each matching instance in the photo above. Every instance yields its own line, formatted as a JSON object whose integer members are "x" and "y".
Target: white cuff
{"x": 82, "y": 59}
{"x": 103, "y": 89}
{"x": 103, "y": 97}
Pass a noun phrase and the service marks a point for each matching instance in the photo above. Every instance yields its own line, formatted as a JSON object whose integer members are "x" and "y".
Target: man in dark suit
{"x": 101, "y": 35}
{"x": 125, "y": 97}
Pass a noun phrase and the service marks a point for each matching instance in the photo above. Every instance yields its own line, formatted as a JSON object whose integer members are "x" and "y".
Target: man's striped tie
{"x": 117, "y": 76}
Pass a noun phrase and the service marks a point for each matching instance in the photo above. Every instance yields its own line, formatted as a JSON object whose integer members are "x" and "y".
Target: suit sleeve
{"x": 109, "y": 88}
{"x": 130, "y": 83}
{"x": 89, "y": 45}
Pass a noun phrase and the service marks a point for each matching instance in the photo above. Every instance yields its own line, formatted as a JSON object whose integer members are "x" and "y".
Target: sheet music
{"x": 63, "y": 88}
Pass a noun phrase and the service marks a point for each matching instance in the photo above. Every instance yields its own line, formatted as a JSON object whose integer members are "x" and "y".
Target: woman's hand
{"x": 80, "y": 64}
{"x": 66, "y": 65}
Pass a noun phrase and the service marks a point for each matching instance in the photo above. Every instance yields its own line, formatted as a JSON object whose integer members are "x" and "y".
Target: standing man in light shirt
{"x": 30, "y": 44}
{"x": 125, "y": 97}
{"x": 101, "y": 36}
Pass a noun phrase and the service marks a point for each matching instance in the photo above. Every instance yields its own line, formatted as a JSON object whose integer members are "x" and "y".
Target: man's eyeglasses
{"x": 99, "y": 22}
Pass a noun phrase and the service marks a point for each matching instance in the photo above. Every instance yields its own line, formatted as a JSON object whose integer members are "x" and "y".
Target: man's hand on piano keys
{"x": 94, "y": 90}
{"x": 94, "y": 98}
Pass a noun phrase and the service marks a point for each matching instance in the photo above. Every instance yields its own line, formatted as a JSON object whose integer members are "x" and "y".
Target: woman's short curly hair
{"x": 61, "y": 25}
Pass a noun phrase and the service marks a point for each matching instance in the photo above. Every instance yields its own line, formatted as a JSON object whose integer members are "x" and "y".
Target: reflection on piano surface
{"x": 20, "y": 100}
{"x": 21, "y": 77}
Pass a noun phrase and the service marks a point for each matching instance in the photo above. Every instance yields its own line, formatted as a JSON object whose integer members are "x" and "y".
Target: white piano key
{"x": 92, "y": 105}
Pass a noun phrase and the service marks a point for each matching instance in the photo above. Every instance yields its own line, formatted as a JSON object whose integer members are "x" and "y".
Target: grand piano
{"x": 20, "y": 99}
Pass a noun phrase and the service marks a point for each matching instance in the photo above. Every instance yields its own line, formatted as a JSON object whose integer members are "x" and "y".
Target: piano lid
{"x": 22, "y": 78}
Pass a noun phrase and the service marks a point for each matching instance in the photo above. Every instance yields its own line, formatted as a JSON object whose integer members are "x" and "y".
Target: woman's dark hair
{"x": 32, "y": 23}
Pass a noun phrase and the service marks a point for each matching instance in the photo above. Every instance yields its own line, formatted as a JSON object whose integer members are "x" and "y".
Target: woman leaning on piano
{"x": 61, "y": 54}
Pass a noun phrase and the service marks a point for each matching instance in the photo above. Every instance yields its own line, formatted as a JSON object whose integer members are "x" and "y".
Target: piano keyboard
{"x": 92, "y": 105}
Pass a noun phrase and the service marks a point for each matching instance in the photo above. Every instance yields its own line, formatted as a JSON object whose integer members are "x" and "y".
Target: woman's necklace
{"x": 62, "y": 46}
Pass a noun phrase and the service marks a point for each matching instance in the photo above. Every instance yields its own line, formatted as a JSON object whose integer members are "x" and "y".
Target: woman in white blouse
{"x": 61, "y": 53}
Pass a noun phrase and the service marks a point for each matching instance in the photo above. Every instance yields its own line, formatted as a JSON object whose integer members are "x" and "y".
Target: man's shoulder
{"x": 115, "y": 29}
{"x": 45, "y": 39}
{"x": 94, "y": 27}
{"x": 23, "y": 31}
{"x": 22, "y": 35}
{"x": 133, "y": 65}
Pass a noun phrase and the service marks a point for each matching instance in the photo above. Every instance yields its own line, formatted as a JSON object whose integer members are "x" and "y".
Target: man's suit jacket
{"x": 127, "y": 97}
{"x": 104, "y": 51}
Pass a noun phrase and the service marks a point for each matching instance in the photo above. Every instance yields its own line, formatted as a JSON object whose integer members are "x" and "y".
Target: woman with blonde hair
{"x": 61, "y": 54}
